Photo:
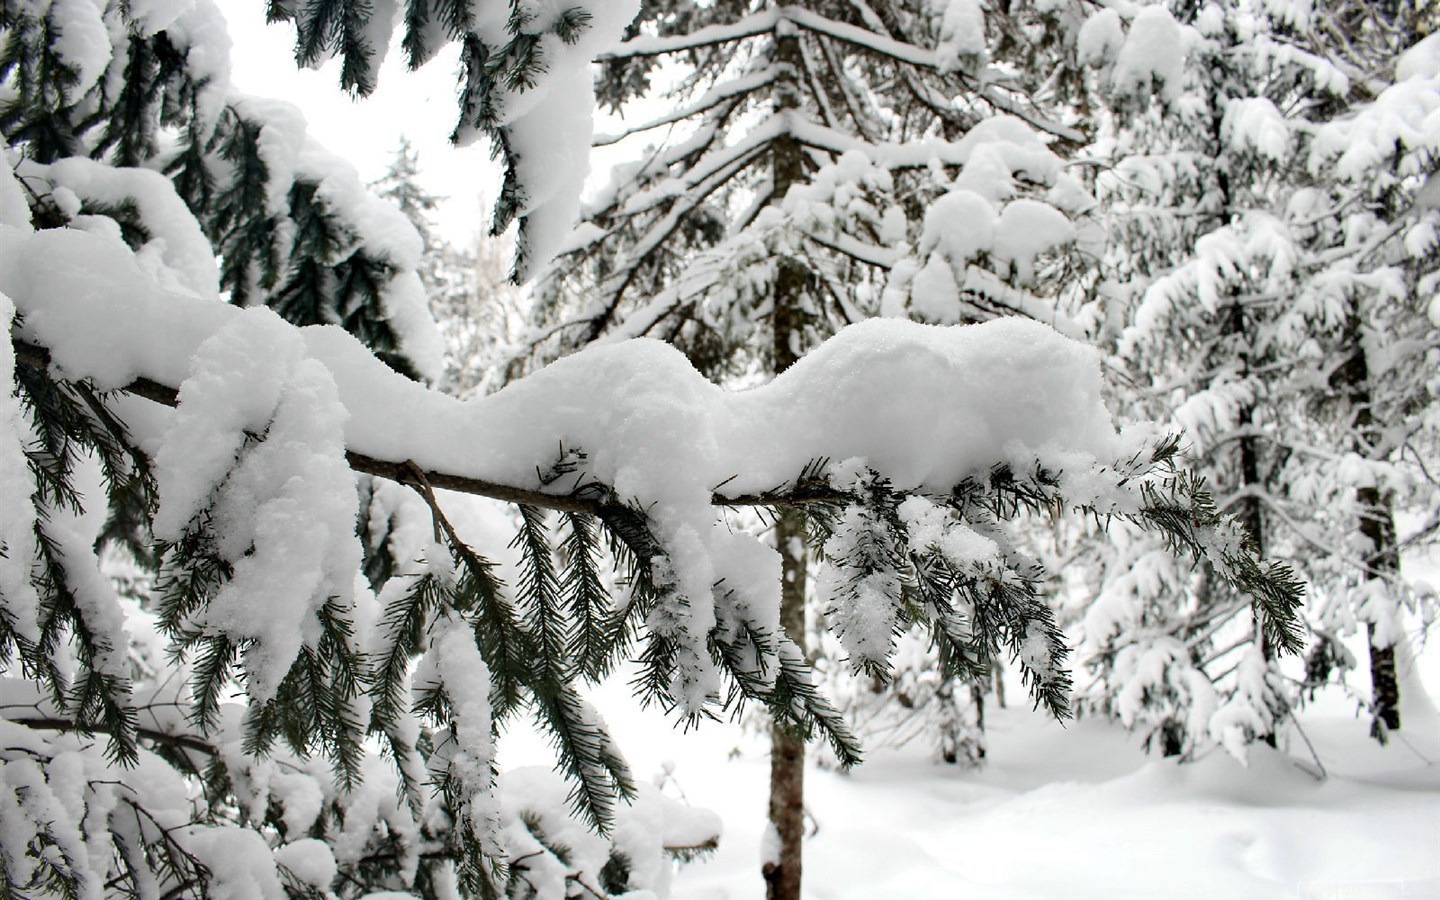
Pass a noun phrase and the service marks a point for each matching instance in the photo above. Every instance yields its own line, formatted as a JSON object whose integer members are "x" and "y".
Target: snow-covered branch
{"x": 712, "y": 98}
{"x": 710, "y": 35}
{"x": 404, "y": 471}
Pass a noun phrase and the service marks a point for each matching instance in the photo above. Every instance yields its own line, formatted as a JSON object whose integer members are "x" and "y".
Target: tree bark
{"x": 1251, "y": 512}
{"x": 1377, "y": 526}
{"x": 977, "y": 697}
{"x": 787, "y": 755}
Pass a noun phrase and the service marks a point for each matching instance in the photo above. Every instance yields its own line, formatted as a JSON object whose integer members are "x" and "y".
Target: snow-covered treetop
{"x": 884, "y": 152}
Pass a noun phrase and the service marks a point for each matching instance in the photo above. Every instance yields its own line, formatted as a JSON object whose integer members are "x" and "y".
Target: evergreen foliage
{"x": 1258, "y": 274}
{"x": 284, "y": 218}
{"x": 517, "y": 63}
{"x": 448, "y": 628}
{"x": 689, "y": 244}
{"x": 822, "y": 163}
{"x": 475, "y": 305}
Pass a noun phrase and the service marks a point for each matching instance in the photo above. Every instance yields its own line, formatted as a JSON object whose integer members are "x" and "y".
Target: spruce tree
{"x": 1193, "y": 329}
{"x": 1379, "y": 411}
{"x": 1247, "y": 294}
{"x": 825, "y": 163}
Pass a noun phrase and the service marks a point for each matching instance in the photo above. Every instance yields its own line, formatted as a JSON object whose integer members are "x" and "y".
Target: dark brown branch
{"x": 402, "y": 471}
{"x": 45, "y": 722}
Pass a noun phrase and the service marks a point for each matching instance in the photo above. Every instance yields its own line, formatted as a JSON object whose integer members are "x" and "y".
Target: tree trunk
{"x": 1251, "y": 512}
{"x": 1384, "y": 689}
{"x": 977, "y": 697}
{"x": 787, "y": 755}
{"x": 1377, "y": 526}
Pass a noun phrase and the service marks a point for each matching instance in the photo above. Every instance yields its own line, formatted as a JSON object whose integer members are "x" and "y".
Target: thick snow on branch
{"x": 17, "y": 526}
{"x": 1403, "y": 122}
{"x": 549, "y": 127}
{"x": 59, "y": 785}
{"x": 924, "y": 407}
{"x": 1154, "y": 51}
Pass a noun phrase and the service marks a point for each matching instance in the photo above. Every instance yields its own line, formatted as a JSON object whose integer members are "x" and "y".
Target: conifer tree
{"x": 1175, "y": 155}
{"x": 401, "y": 186}
{"x": 827, "y": 162}
{"x": 1241, "y": 294}
{"x": 1380, "y": 269}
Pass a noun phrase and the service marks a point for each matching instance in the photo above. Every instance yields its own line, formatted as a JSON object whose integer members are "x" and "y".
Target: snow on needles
{"x": 287, "y": 509}
{"x": 924, "y": 406}
{"x": 1154, "y": 51}
{"x": 94, "y": 43}
{"x": 17, "y": 526}
{"x": 549, "y": 123}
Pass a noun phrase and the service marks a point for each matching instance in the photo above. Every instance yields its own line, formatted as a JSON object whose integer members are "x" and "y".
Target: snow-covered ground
{"x": 1073, "y": 812}
{"x": 1080, "y": 812}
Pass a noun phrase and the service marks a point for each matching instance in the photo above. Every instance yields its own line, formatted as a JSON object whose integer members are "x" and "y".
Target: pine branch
{"x": 867, "y": 549}
{"x": 592, "y": 644}
{"x": 565, "y": 612}
{"x": 210, "y": 678}
{"x": 403, "y": 628}
{"x": 1182, "y": 510}
{"x": 539, "y": 592}
{"x": 40, "y": 718}
{"x": 807, "y": 708}
{"x": 708, "y": 36}
{"x": 69, "y": 420}
{"x": 588, "y": 755}
{"x": 659, "y": 659}
{"x": 739, "y": 87}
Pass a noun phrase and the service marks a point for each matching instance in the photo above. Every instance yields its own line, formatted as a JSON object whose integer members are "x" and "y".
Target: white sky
{"x": 420, "y": 105}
